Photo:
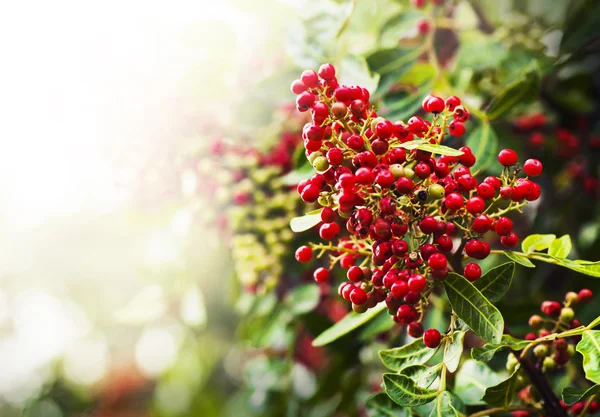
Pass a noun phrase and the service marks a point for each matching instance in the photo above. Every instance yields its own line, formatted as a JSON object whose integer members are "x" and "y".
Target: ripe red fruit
{"x": 327, "y": 71}
{"x": 422, "y": 170}
{"x": 533, "y": 167}
{"x": 444, "y": 243}
{"x": 417, "y": 283}
{"x": 432, "y": 338}
{"x": 474, "y": 248}
{"x": 385, "y": 179}
{"x": 482, "y": 223}
{"x": 358, "y": 296}
{"x": 406, "y": 314}
{"x": 428, "y": 225}
{"x": 399, "y": 289}
{"x": 356, "y": 142}
{"x": 486, "y": 191}
{"x": 456, "y": 128}
{"x": 335, "y": 156}
{"x": 454, "y": 201}
{"x": 472, "y": 271}
{"x": 508, "y": 157}
{"x": 412, "y": 297}
{"x": 511, "y": 240}
{"x": 435, "y": 104}
{"x": 460, "y": 114}
{"x": 475, "y": 205}
{"x": 364, "y": 176}
{"x": 437, "y": 261}
{"x": 404, "y": 185}
{"x": 452, "y": 102}
{"x": 304, "y": 254}
{"x": 503, "y": 226}
{"x": 329, "y": 230}
{"x": 305, "y": 100}
{"x": 584, "y": 296}
{"x": 467, "y": 158}
{"x": 298, "y": 87}
{"x": 416, "y": 124}
{"x": 310, "y": 78}
{"x": 551, "y": 308}
{"x": 423, "y": 27}
{"x": 355, "y": 274}
{"x": 321, "y": 275}
{"x": 425, "y": 103}
{"x": 415, "y": 330}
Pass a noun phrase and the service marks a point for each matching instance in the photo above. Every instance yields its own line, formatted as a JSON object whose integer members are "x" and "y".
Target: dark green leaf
{"x": 502, "y": 394}
{"x": 494, "y": 284}
{"x": 446, "y": 405}
{"x": 534, "y": 243}
{"x": 380, "y": 324}
{"x": 472, "y": 379}
{"x": 483, "y": 142}
{"x": 421, "y": 374}
{"x": 561, "y": 247}
{"x": 349, "y": 323}
{"x": 523, "y": 89}
{"x": 415, "y": 353}
{"x": 473, "y": 308}
{"x": 589, "y": 347}
{"x": 573, "y": 395}
{"x": 403, "y": 391}
{"x": 391, "y": 64}
{"x": 487, "y": 351}
{"x": 303, "y": 299}
{"x": 582, "y": 24}
{"x": 406, "y": 106}
{"x": 380, "y": 405}
{"x": 302, "y": 223}
{"x": 453, "y": 350}
{"x": 520, "y": 259}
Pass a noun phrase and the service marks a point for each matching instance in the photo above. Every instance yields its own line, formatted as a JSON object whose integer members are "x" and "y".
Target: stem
{"x": 494, "y": 410}
{"x": 587, "y": 405}
{"x": 539, "y": 381}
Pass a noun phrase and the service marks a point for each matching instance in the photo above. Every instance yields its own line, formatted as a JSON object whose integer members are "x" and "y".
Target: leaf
{"x": 584, "y": 267}
{"x": 501, "y": 395}
{"x": 453, "y": 351}
{"x": 561, "y": 247}
{"x": 573, "y": 395}
{"x": 380, "y": 405}
{"x": 415, "y": 353}
{"x": 479, "y": 51}
{"x": 520, "y": 259}
{"x": 303, "y": 299}
{"x": 483, "y": 142}
{"x": 534, "y": 243}
{"x": 581, "y": 26}
{"x": 303, "y": 223}
{"x": 472, "y": 379}
{"x": 473, "y": 308}
{"x": 494, "y": 284}
{"x": 354, "y": 70}
{"x": 405, "y": 106}
{"x": 403, "y": 391}
{"x": 391, "y": 64}
{"x": 446, "y": 406}
{"x": 349, "y": 323}
{"x": 487, "y": 351}
{"x": 439, "y": 149}
{"x": 589, "y": 347}
{"x": 421, "y": 374}
{"x": 399, "y": 26}
{"x": 296, "y": 176}
{"x": 380, "y": 324}
{"x": 523, "y": 89}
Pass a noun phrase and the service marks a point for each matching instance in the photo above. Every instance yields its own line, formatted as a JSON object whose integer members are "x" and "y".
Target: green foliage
{"x": 447, "y": 405}
{"x": 380, "y": 405}
{"x": 534, "y": 243}
{"x": 405, "y": 392}
{"x": 473, "y": 308}
{"x": 502, "y": 394}
{"x": 572, "y": 395}
{"x": 487, "y": 351}
{"x": 308, "y": 221}
{"x": 483, "y": 142}
{"x": 589, "y": 347}
{"x": 453, "y": 350}
{"x": 415, "y": 353}
{"x": 472, "y": 379}
{"x": 349, "y": 323}
{"x": 494, "y": 284}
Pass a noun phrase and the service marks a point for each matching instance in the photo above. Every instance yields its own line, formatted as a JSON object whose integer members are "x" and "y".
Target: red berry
{"x": 355, "y": 274}
{"x": 460, "y": 114}
{"x": 533, "y": 167}
{"x": 432, "y": 338}
{"x": 305, "y": 100}
{"x": 428, "y": 225}
{"x": 415, "y": 330}
{"x": 416, "y": 125}
{"x": 511, "y": 240}
{"x": 422, "y": 170}
{"x": 472, "y": 271}
{"x": 423, "y": 27}
{"x": 503, "y": 226}
{"x": 335, "y": 156}
{"x": 358, "y": 296}
{"x": 412, "y": 297}
{"x": 482, "y": 223}
{"x": 467, "y": 158}
{"x": 584, "y": 296}
{"x": 508, "y": 157}
{"x": 406, "y": 314}
{"x": 452, "y": 102}
{"x": 456, "y": 128}
{"x": 486, "y": 191}
{"x": 417, "y": 283}
{"x": 327, "y": 215}
{"x": 298, "y": 87}
{"x": 454, "y": 201}
{"x": 310, "y": 78}
{"x": 474, "y": 248}
{"x": 437, "y": 261}
{"x": 329, "y": 230}
{"x": 327, "y": 71}
{"x": 364, "y": 176}
{"x": 475, "y": 205}
{"x": 404, "y": 185}
{"x": 304, "y": 254}
{"x": 436, "y": 105}
{"x": 399, "y": 289}
{"x": 356, "y": 142}
{"x": 321, "y": 275}
{"x": 385, "y": 179}
{"x": 444, "y": 243}
{"x": 551, "y": 308}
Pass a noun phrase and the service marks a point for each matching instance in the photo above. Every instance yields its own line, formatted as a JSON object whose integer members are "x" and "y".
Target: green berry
{"x": 437, "y": 191}
{"x": 566, "y": 315}
{"x": 540, "y": 351}
{"x": 320, "y": 164}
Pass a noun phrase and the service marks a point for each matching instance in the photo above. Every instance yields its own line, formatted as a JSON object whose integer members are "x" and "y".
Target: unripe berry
{"x": 436, "y": 191}
{"x": 339, "y": 110}
{"x": 566, "y": 315}
{"x": 535, "y": 321}
{"x": 540, "y": 351}
{"x": 548, "y": 364}
{"x": 432, "y": 338}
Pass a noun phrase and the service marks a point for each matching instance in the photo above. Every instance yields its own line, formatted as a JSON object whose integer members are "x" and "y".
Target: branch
{"x": 551, "y": 402}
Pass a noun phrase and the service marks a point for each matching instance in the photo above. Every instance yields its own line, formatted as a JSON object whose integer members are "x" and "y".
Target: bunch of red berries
{"x": 410, "y": 205}
{"x": 560, "y": 317}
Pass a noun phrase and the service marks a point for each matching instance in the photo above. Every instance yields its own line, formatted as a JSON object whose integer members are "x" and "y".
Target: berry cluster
{"x": 410, "y": 206}
{"x": 560, "y": 316}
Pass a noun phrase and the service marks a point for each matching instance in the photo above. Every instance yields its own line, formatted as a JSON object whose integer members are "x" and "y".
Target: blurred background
{"x": 147, "y": 264}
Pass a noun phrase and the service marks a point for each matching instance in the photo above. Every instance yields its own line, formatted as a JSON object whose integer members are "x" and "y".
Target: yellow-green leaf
{"x": 415, "y": 353}
{"x": 349, "y": 323}
{"x": 302, "y": 223}
{"x": 520, "y": 259}
{"x": 534, "y": 243}
{"x": 561, "y": 247}
{"x": 589, "y": 347}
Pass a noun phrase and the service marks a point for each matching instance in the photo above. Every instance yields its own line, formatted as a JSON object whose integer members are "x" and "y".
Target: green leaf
{"x": 502, "y": 394}
{"x": 472, "y": 379}
{"x": 302, "y": 173}
{"x": 439, "y": 149}
{"x": 303, "y": 223}
{"x": 453, "y": 350}
{"x": 494, "y": 284}
{"x": 403, "y": 391}
{"x": 523, "y": 89}
{"x": 479, "y": 51}
{"x": 379, "y": 324}
{"x": 349, "y": 323}
{"x": 391, "y": 64}
{"x": 483, "y": 142}
{"x": 520, "y": 259}
{"x": 583, "y": 267}
{"x": 573, "y": 395}
{"x": 581, "y": 26}
{"x": 303, "y": 299}
{"x": 446, "y": 406}
{"x": 589, "y": 347}
{"x": 534, "y": 243}
{"x": 405, "y": 106}
{"x": 421, "y": 374}
{"x": 487, "y": 351}
{"x": 354, "y": 70}
{"x": 415, "y": 353}
{"x": 399, "y": 26}
{"x": 473, "y": 308}
{"x": 380, "y": 405}
{"x": 561, "y": 247}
